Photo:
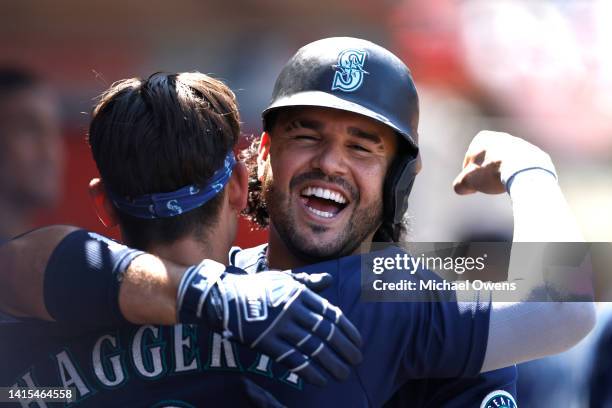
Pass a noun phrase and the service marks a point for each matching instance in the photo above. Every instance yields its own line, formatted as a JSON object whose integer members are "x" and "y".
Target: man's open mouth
{"x": 323, "y": 202}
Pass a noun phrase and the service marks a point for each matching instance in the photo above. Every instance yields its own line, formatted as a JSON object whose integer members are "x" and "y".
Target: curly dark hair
{"x": 256, "y": 210}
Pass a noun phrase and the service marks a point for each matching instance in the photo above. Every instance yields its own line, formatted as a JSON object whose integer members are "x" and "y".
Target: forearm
{"x": 545, "y": 237}
{"x": 148, "y": 291}
{"x": 534, "y": 327}
{"x": 541, "y": 216}
{"x": 540, "y": 211}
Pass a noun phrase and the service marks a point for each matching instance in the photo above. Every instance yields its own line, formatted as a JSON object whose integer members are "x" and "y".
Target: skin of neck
{"x": 214, "y": 243}
{"x": 280, "y": 256}
{"x": 192, "y": 250}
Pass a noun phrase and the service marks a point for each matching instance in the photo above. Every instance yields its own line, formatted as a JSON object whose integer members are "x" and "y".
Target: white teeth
{"x": 323, "y": 214}
{"x": 324, "y": 193}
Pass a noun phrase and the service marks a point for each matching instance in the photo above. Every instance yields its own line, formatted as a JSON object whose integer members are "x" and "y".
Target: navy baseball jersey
{"x": 132, "y": 366}
{"x": 184, "y": 366}
{"x": 384, "y": 340}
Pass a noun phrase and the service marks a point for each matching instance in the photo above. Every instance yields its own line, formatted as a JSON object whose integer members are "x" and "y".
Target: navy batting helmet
{"x": 358, "y": 76}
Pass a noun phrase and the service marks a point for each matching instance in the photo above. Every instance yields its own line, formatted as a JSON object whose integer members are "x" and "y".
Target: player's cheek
{"x": 370, "y": 183}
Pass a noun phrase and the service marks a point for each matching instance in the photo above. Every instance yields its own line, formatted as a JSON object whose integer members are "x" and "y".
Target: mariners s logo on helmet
{"x": 349, "y": 70}
{"x": 498, "y": 399}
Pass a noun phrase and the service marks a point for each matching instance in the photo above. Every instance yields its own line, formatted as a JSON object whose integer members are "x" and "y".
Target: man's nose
{"x": 331, "y": 159}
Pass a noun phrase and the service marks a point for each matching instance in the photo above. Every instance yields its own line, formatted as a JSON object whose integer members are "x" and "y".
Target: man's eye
{"x": 359, "y": 148}
{"x": 305, "y": 137}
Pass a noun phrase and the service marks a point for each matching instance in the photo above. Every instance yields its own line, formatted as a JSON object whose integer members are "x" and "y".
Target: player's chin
{"x": 321, "y": 242}
{"x": 317, "y": 248}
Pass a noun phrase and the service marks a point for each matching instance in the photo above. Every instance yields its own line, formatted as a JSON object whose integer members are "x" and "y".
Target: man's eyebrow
{"x": 304, "y": 123}
{"x": 372, "y": 137}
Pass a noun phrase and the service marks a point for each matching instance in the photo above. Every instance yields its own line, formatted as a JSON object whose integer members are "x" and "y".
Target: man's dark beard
{"x": 362, "y": 223}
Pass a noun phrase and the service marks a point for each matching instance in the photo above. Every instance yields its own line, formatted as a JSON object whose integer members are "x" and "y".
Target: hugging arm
{"x": 73, "y": 276}
{"x": 530, "y": 327}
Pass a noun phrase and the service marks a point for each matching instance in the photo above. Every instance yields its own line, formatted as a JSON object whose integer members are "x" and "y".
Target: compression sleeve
{"x": 82, "y": 279}
{"x": 525, "y": 331}
{"x": 521, "y": 331}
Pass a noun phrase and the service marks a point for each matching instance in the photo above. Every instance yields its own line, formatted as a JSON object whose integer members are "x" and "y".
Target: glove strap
{"x": 218, "y": 305}
{"x": 219, "y": 309}
{"x": 194, "y": 288}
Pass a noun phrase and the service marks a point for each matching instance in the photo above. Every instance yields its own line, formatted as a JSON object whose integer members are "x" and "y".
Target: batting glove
{"x": 274, "y": 314}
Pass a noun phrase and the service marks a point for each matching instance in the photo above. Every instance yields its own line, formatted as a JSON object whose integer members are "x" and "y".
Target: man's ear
{"x": 238, "y": 187}
{"x": 263, "y": 152}
{"x": 105, "y": 210}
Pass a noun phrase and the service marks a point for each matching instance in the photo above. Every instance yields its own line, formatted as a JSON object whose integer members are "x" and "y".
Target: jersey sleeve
{"x": 459, "y": 392}
{"x": 448, "y": 338}
{"x": 409, "y": 340}
{"x": 82, "y": 279}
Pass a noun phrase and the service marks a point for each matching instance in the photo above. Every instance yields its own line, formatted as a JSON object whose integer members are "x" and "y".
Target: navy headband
{"x": 163, "y": 205}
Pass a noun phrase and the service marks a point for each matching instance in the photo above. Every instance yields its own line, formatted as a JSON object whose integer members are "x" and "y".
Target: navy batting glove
{"x": 275, "y": 314}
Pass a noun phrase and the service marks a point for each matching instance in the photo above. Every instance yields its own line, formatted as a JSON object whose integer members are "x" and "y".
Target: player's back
{"x": 131, "y": 366}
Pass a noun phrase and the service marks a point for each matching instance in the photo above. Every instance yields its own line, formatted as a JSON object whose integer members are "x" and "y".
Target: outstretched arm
{"x": 74, "y": 276}
{"x": 525, "y": 330}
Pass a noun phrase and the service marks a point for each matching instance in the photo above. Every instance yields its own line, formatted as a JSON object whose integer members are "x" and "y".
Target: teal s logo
{"x": 349, "y": 70}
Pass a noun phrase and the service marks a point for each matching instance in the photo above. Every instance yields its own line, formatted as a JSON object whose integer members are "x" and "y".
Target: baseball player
{"x": 189, "y": 122}
{"x": 310, "y": 154}
{"x": 337, "y": 161}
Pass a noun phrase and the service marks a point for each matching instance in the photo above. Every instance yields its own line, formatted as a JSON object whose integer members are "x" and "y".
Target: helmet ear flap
{"x": 398, "y": 185}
